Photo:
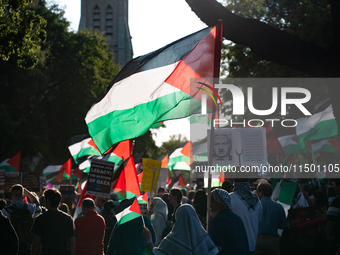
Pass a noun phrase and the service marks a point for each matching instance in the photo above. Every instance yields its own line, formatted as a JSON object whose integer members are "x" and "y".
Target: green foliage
{"x": 168, "y": 146}
{"x": 44, "y": 106}
{"x": 310, "y": 20}
{"x": 21, "y": 32}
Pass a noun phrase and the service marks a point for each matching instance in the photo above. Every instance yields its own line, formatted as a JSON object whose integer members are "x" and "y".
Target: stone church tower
{"x": 111, "y": 18}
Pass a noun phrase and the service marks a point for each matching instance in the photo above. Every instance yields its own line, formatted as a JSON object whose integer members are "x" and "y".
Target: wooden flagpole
{"x": 217, "y": 61}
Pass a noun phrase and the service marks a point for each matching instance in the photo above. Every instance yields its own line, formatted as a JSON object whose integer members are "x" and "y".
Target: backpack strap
{"x": 11, "y": 209}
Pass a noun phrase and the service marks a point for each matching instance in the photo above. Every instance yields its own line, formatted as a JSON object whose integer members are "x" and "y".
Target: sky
{"x": 153, "y": 24}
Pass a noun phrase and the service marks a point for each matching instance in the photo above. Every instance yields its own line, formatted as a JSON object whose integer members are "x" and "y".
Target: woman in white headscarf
{"x": 187, "y": 237}
{"x": 158, "y": 217}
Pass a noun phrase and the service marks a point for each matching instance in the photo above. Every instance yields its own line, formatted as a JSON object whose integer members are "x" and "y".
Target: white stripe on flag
{"x": 138, "y": 88}
{"x": 76, "y": 148}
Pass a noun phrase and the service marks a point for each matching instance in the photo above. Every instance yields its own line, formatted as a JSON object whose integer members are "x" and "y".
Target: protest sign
{"x": 151, "y": 171}
{"x": 100, "y": 177}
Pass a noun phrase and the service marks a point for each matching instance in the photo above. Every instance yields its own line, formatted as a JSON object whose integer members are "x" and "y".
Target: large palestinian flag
{"x": 11, "y": 164}
{"x": 155, "y": 87}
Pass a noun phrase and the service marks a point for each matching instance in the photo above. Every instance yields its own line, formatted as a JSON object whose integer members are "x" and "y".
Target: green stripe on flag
{"x": 287, "y": 192}
{"x": 103, "y": 128}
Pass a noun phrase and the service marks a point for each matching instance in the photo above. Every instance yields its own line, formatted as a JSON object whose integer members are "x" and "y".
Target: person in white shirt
{"x": 248, "y": 206}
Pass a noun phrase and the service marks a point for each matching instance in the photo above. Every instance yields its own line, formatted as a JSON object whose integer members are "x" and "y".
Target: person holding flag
{"x": 126, "y": 237}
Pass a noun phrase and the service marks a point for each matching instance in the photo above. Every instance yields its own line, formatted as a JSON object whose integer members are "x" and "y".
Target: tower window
{"x": 109, "y": 21}
{"x": 96, "y": 18}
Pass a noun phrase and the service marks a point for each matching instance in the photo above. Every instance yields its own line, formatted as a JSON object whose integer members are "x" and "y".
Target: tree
{"x": 285, "y": 43}
{"x": 21, "y": 32}
{"x": 170, "y": 145}
{"x": 44, "y": 106}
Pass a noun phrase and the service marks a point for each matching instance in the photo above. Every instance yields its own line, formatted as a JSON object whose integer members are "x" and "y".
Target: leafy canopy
{"x": 21, "y": 32}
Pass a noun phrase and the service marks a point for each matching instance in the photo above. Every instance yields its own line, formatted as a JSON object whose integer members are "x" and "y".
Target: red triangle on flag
{"x": 221, "y": 177}
{"x": 140, "y": 177}
{"x": 91, "y": 142}
{"x": 135, "y": 207}
{"x": 123, "y": 149}
{"x": 273, "y": 144}
{"x": 165, "y": 161}
{"x": 186, "y": 150}
{"x": 15, "y": 161}
{"x": 128, "y": 180}
{"x": 77, "y": 172}
{"x": 145, "y": 197}
{"x": 334, "y": 141}
{"x": 67, "y": 167}
{"x": 181, "y": 182}
{"x": 190, "y": 67}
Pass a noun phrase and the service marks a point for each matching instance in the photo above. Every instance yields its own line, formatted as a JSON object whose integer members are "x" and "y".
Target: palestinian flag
{"x": 221, "y": 177}
{"x": 155, "y": 87}
{"x": 120, "y": 153}
{"x": 180, "y": 158}
{"x": 78, "y": 211}
{"x": 127, "y": 211}
{"x": 180, "y": 182}
{"x": 320, "y": 125}
{"x": 12, "y": 164}
{"x": 58, "y": 173}
{"x": 143, "y": 199}
{"x": 290, "y": 145}
{"x": 64, "y": 170}
{"x": 138, "y": 161}
{"x": 127, "y": 185}
{"x": 327, "y": 145}
{"x": 273, "y": 144}
{"x": 215, "y": 182}
{"x": 204, "y": 119}
{"x": 284, "y": 192}
{"x": 84, "y": 147}
{"x": 200, "y": 151}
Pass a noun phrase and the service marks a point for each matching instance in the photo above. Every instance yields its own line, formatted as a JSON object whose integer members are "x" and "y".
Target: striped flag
{"x": 284, "y": 192}
{"x": 290, "y": 145}
{"x": 327, "y": 145}
{"x": 127, "y": 185}
{"x": 12, "y": 164}
{"x": 81, "y": 146}
{"x": 64, "y": 170}
{"x": 78, "y": 211}
{"x": 180, "y": 158}
{"x": 121, "y": 152}
{"x": 320, "y": 125}
{"x": 127, "y": 211}
{"x": 143, "y": 199}
{"x": 155, "y": 87}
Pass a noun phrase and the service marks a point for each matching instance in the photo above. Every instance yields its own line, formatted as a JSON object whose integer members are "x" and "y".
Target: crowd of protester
{"x": 243, "y": 219}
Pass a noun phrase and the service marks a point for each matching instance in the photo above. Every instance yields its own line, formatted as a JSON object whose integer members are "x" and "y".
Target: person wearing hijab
{"x": 226, "y": 229}
{"x": 159, "y": 217}
{"x": 248, "y": 206}
{"x": 186, "y": 238}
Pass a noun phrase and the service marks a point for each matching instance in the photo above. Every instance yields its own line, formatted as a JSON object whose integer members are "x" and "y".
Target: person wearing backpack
{"x": 20, "y": 215}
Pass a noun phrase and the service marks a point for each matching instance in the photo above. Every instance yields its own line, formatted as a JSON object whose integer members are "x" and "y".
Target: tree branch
{"x": 268, "y": 42}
